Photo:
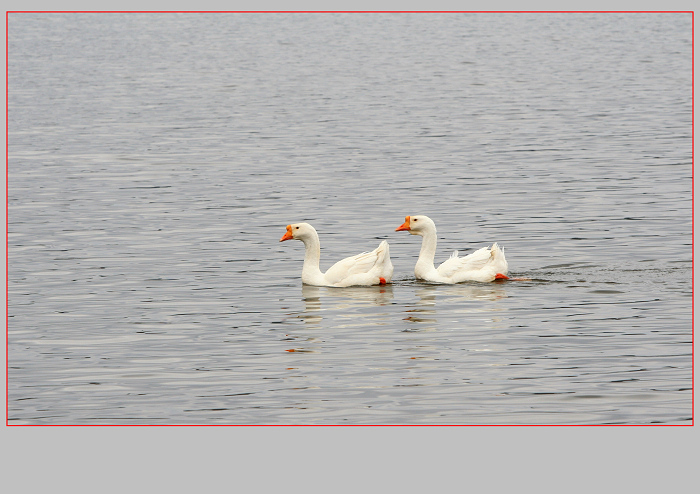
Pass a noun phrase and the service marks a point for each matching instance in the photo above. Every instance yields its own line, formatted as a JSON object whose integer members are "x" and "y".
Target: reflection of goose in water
{"x": 421, "y": 313}
{"x": 354, "y": 296}
{"x": 424, "y": 312}
{"x": 322, "y": 299}
{"x": 465, "y": 292}
{"x": 337, "y": 308}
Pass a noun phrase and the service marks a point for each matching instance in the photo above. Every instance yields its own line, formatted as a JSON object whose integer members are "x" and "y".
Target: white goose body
{"x": 368, "y": 268}
{"x": 483, "y": 265}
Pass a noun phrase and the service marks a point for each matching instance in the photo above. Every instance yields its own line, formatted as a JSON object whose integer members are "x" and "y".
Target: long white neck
{"x": 312, "y": 258}
{"x": 426, "y": 257}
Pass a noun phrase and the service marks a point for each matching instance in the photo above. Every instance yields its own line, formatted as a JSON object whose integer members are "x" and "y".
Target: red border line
{"x": 350, "y": 12}
{"x": 7, "y": 218}
{"x": 351, "y": 425}
{"x": 692, "y": 221}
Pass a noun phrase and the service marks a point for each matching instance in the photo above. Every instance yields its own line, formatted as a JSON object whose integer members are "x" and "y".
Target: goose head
{"x": 417, "y": 225}
{"x": 299, "y": 231}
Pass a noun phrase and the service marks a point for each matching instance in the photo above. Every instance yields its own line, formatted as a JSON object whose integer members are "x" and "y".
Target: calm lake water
{"x": 155, "y": 160}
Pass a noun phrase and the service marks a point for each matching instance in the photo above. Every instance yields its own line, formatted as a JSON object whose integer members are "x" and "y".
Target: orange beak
{"x": 406, "y": 225}
{"x": 288, "y": 235}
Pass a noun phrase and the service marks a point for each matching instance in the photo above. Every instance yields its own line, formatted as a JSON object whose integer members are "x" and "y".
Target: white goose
{"x": 368, "y": 268}
{"x": 483, "y": 265}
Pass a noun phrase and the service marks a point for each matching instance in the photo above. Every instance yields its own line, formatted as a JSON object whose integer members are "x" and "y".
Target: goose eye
{"x": 414, "y": 219}
{"x": 297, "y": 228}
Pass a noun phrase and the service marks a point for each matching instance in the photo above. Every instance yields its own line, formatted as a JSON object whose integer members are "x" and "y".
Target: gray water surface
{"x": 155, "y": 160}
